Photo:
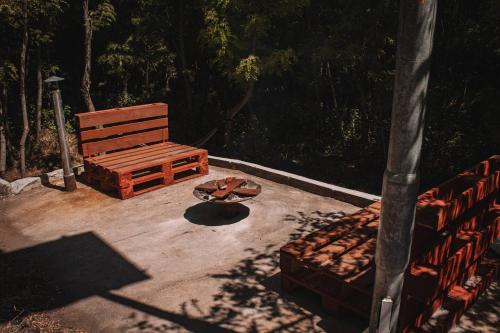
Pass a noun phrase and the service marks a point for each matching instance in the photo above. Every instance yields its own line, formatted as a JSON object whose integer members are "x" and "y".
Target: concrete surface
{"x": 160, "y": 262}
{"x": 25, "y": 184}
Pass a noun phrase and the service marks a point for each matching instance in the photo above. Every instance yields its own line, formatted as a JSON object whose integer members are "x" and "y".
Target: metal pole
{"x": 400, "y": 185}
{"x": 69, "y": 176}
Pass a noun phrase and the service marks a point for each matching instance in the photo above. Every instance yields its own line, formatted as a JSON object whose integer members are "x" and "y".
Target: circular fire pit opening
{"x": 227, "y": 193}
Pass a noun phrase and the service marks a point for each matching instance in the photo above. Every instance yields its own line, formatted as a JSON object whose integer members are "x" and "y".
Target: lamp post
{"x": 69, "y": 176}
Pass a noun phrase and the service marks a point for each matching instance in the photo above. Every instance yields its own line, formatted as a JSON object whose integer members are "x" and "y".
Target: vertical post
{"x": 69, "y": 176}
{"x": 400, "y": 185}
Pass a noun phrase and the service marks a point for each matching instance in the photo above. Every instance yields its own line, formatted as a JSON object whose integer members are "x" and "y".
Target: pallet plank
{"x": 116, "y": 115}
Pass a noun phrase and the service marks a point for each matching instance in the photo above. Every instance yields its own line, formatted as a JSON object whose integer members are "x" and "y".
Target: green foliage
{"x": 119, "y": 59}
{"x": 248, "y": 69}
{"x": 319, "y": 76}
{"x": 49, "y": 119}
{"x": 102, "y": 16}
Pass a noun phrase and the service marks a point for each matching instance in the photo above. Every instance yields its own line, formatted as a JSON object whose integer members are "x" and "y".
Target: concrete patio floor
{"x": 162, "y": 261}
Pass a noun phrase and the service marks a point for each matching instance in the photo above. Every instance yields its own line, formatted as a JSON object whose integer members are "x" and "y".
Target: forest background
{"x": 299, "y": 85}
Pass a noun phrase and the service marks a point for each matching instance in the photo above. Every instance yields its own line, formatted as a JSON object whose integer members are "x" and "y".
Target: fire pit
{"x": 227, "y": 193}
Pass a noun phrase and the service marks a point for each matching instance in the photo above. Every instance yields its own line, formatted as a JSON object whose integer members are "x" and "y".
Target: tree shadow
{"x": 250, "y": 297}
{"x": 210, "y": 214}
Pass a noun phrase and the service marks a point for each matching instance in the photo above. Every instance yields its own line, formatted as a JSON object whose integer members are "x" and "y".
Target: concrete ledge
{"x": 357, "y": 198}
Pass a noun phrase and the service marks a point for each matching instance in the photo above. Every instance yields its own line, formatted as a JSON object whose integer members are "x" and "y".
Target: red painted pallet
{"x": 335, "y": 262}
{"x": 455, "y": 224}
{"x": 127, "y": 150}
{"x": 446, "y": 202}
{"x": 417, "y": 316}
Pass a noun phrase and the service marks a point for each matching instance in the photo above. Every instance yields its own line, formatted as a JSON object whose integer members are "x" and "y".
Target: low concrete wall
{"x": 356, "y": 198}
{"x": 353, "y": 197}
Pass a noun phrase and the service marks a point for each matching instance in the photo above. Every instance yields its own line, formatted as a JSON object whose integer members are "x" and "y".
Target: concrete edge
{"x": 8, "y": 189}
{"x": 357, "y": 198}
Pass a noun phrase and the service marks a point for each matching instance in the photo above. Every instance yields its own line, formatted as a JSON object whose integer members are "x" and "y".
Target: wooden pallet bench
{"x": 127, "y": 150}
{"x": 455, "y": 224}
{"x": 335, "y": 262}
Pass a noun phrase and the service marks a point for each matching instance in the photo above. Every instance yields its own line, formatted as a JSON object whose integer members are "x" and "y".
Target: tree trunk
{"x": 231, "y": 113}
{"x": 3, "y": 142}
{"x": 125, "y": 91}
{"x": 332, "y": 86}
{"x": 147, "y": 93}
{"x": 22, "y": 89}
{"x": 87, "y": 44}
{"x": 39, "y": 95}
{"x": 182, "y": 55}
{"x": 11, "y": 150}
{"x": 364, "y": 106}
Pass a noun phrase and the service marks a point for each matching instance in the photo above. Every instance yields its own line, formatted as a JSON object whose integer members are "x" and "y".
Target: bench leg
{"x": 106, "y": 180}
{"x": 287, "y": 284}
{"x": 89, "y": 173}
{"x": 125, "y": 186}
{"x": 329, "y": 304}
{"x": 168, "y": 175}
{"x": 203, "y": 159}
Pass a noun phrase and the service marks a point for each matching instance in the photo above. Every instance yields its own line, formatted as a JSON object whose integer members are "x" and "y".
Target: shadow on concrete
{"x": 250, "y": 298}
{"x": 47, "y": 182}
{"x": 56, "y": 273}
{"x": 210, "y": 214}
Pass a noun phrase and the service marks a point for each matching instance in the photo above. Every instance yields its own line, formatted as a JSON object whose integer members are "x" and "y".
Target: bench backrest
{"x": 122, "y": 128}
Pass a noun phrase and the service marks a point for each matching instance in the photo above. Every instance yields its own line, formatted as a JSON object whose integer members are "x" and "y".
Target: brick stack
{"x": 455, "y": 224}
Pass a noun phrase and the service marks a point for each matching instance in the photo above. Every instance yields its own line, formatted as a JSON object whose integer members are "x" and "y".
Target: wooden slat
{"x": 129, "y": 152}
{"x": 142, "y": 156}
{"x": 325, "y": 255}
{"x": 159, "y": 161}
{"x": 219, "y": 194}
{"x": 147, "y": 178}
{"x": 126, "y": 141}
{"x": 104, "y": 117}
{"x": 186, "y": 167}
{"x": 352, "y": 262}
{"x": 122, "y": 129}
{"x": 159, "y": 156}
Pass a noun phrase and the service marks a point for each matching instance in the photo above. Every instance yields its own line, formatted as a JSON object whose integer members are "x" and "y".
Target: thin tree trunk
{"x": 147, "y": 93}
{"x": 332, "y": 85}
{"x": 22, "y": 89}
{"x": 231, "y": 113}
{"x": 365, "y": 111}
{"x": 3, "y": 141}
{"x": 11, "y": 150}
{"x": 39, "y": 94}
{"x": 87, "y": 43}
{"x": 182, "y": 55}
{"x": 125, "y": 90}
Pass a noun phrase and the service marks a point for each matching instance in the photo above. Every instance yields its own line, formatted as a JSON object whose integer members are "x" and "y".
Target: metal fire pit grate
{"x": 227, "y": 193}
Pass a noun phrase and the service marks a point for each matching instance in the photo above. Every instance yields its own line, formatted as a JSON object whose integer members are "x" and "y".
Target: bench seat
{"x": 123, "y": 153}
